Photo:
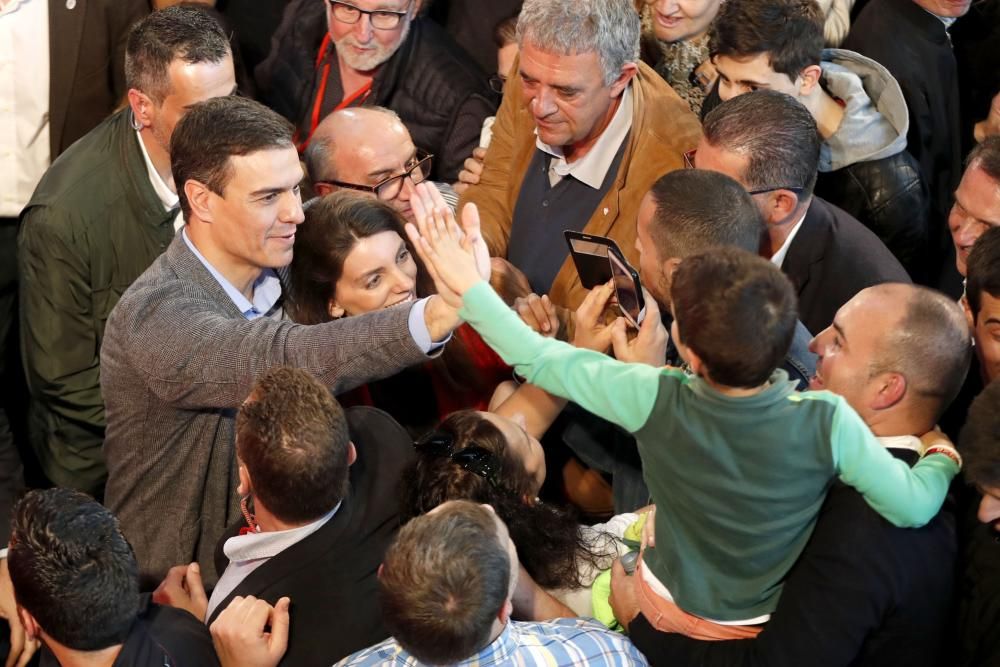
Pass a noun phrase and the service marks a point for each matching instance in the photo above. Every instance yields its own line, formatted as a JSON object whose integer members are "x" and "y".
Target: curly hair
{"x": 548, "y": 538}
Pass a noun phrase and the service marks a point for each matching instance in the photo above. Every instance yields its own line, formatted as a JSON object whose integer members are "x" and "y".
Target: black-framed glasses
{"x": 473, "y": 458}
{"x": 497, "y": 82}
{"x": 389, "y": 189}
{"x": 381, "y": 19}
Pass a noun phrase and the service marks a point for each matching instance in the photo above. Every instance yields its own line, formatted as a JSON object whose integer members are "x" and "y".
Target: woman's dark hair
{"x": 548, "y": 538}
{"x": 333, "y": 226}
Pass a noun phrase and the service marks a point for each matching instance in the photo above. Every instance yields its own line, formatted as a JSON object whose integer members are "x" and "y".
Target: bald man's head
{"x": 361, "y": 146}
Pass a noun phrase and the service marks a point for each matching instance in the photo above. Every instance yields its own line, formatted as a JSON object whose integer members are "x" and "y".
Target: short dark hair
{"x": 986, "y": 156}
{"x": 334, "y": 224}
{"x": 931, "y": 346}
{"x": 737, "y": 311}
{"x": 983, "y": 270}
{"x": 979, "y": 441}
{"x": 505, "y": 32}
{"x": 775, "y": 132}
{"x": 175, "y": 33}
{"x": 790, "y": 32}
{"x": 293, "y": 438}
{"x": 697, "y": 209}
{"x": 444, "y": 581}
{"x": 72, "y": 569}
{"x": 212, "y": 132}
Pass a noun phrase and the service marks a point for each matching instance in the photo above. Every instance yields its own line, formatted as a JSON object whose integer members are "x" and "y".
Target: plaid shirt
{"x": 564, "y": 642}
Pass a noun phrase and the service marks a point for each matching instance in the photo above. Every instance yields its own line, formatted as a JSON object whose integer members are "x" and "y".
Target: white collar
{"x": 778, "y": 258}
{"x": 910, "y": 442}
{"x": 593, "y": 167}
{"x": 167, "y": 197}
{"x": 254, "y": 546}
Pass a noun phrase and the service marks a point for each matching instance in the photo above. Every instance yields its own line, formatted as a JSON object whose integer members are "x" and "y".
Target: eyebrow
{"x": 839, "y": 330}
{"x": 388, "y": 172}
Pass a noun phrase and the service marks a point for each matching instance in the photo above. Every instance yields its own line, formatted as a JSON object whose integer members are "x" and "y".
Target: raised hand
{"x": 182, "y": 588}
{"x": 456, "y": 260}
{"x": 539, "y": 313}
{"x": 241, "y": 637}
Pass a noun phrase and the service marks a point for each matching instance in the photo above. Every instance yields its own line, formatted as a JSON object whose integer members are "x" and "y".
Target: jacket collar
{"x": 807, "y": 249}
{"x": 134, "y": 177}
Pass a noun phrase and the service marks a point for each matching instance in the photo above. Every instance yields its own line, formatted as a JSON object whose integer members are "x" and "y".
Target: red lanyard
{"x": 358, "y": 96}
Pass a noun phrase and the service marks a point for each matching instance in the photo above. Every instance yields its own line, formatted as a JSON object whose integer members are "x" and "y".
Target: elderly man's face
{"x": 566, "y": 96}
{"x": 976, "y": 209}
{"x": 849, "y": 349}
{"x": 361, "y": 46}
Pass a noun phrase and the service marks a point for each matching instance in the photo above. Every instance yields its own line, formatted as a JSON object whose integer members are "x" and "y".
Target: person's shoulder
{"x": 383, "y": 654}
{"x": 592, "y": 643}
{"x": 850, "y": 242}
{"x": 383, "y": 446}
{"x": 86, "y": 180}
{"x": 163, "y": 635}
{"x": 434, "y": 64}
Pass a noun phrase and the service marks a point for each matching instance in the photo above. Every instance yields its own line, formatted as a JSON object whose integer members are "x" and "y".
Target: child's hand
{"x": 455, "y": 260}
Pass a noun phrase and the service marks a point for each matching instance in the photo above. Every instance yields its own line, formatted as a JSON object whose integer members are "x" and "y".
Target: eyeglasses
{"x": 390, "y": 188}
{"x": 473, "y": 458}
{"x": 381, "y": 19}
{"x": 497, "y": 83}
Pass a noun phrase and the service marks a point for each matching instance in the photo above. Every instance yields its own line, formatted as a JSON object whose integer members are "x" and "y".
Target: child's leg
{"x": 666, "y": 616}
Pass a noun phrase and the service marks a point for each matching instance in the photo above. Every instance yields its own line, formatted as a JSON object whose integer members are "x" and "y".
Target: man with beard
{"x": 377, "y": 52}
{"x": 102, "y": 213}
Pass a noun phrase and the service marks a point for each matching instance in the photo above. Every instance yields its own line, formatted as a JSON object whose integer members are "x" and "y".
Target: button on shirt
{"x": 592, "y": 167}
{"x": 248, "y": 552}
{"x": 566, "y": 642}
{"x": 24, "y": 101}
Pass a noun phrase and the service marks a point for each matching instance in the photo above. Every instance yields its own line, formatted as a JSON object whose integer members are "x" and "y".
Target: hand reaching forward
{"x": 591, "y": 332}
{"x": 456, "y": 258}
{"x": 539, "y": 313}
{"x": 240, "y": 632}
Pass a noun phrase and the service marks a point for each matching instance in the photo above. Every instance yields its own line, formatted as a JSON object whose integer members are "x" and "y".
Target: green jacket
{"x": 93, "y": 225}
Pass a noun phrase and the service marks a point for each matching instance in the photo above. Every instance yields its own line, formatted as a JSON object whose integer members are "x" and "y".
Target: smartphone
{"x": 590, "y": 255}
{"x": 628, "y": 290}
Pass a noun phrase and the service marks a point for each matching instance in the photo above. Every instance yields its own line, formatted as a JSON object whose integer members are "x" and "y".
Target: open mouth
{"x": 406, "y": 299}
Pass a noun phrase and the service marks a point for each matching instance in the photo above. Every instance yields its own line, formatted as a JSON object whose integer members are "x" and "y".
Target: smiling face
{"x": 525, "y": 447}
{"x": 362, "y": 47}
{"x": 849, "y": 349}
{"x": 379, "y": 272}
{"x": 976, "y": 209}
{"x": 567, "y": 98}
{"x": 252, "y": 223}
{"x": 679, "y": 20}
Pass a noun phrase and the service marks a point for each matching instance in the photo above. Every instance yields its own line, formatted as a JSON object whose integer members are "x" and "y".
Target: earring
{"x": 133, "y": 121}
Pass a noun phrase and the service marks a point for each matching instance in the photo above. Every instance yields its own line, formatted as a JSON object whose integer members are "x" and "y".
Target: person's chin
{"x": 816, "y": 383}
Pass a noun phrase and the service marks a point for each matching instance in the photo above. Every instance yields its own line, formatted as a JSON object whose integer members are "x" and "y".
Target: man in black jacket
{"x": 377, "y": 52}
{"x": 863, "y": 592}
{"x": 769, "y": 143}
{"x": 864, "y": 167}
{"x": 910, "y": 38}
{"x": 76, "y": 583}
{"x": 318, "y": 490}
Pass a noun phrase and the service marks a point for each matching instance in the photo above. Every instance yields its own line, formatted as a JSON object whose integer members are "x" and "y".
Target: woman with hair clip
{"x": 352, "y": 257}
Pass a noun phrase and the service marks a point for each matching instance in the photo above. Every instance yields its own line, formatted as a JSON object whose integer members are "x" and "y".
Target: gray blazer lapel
{"x": 65, "y": 35}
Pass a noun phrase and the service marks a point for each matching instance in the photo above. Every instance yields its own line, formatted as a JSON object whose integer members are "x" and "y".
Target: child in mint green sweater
{"x": 737, "y": 462}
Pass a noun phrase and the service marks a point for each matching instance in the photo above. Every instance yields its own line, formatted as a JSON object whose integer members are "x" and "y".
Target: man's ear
{"x": 629, "y": 70}
{"x": 31, "y": 627}
{"x": 199, "y": 199}
{"x": 809, "y": 78}
{"x": 693, "y": 360}
{"x": 781, "y": 204}
{"x": 967, "y": 309}
{"x": 671, "y": 265}
{"x": 505, "y": 611}
{"x": 352, "y": 453}
{"x": 891, "y": 390}
{"x": 245, "y": 486}
{"x": 323, "y": 189}
{"x": 142, "y": 107}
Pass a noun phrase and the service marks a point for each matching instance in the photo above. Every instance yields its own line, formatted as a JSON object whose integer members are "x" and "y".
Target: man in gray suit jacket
{"x": 185, "y": 343}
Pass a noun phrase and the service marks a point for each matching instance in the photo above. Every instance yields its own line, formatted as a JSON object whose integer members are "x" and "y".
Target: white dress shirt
{"x": 24, "y": 101}
{"x": 167, "y": 197}
{"x": 778, "y": 258}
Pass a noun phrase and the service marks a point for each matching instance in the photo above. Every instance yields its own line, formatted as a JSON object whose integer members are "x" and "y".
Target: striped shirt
{"x": 565, "y": 642}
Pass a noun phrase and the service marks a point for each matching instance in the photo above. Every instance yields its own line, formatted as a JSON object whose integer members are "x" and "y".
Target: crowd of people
{"x": 298, "y": 366}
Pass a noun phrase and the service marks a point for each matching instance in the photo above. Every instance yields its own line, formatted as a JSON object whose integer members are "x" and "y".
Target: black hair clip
{"x": 474, "y": 458}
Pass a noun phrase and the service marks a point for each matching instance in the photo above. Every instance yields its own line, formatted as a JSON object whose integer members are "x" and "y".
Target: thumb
{"x": 470, "y": 221}
{"x": 195, "y": 587}
{"x": 619, "y": 339}
{"x": 280, "y": 620}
